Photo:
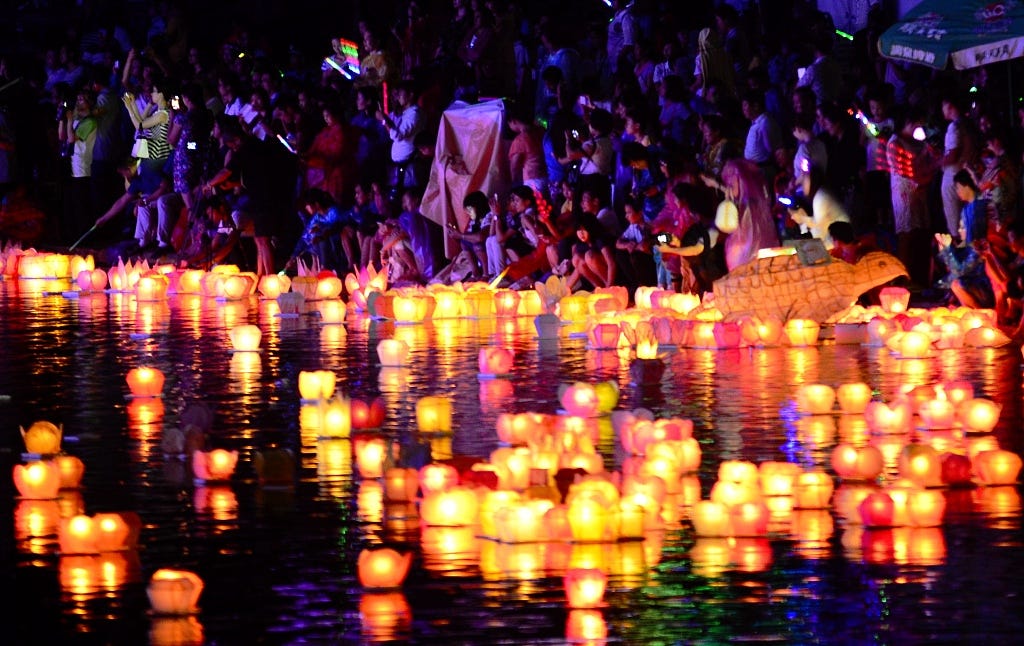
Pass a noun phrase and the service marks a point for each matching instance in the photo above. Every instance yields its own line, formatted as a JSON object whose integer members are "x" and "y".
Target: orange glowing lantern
{"x": 738, "y": 471}
{"x": 144, "y": 381}
{"x": 434, "y": 414}
{"x": 853, "y": 397}
{"x": 979, "y": 415}
{"x": 925, "y": 507}
{"x": 584, "y": 587}
{"x": 879, "y": 329}
{"x": 214, "y": 466}
{"x": 400, "y": 485}
{"x": 370, "y": 455}
{"x": 367, "y": 415}
{"x": 894, "y": 300}
{"x": 895, "y": 417}
{"x": 236, "y": 287}
{"x": 393, "y": 353}
{"x": 938, "y": 413}
{"x": 479, "y": 303}
{"x": 585, "y": 627}
{"x": 813, "y": 490}
{"x": 588, "y": 519}
{"x": 71, "y": 471}
{"x": 382, "y": 569}
{"x": 42, "y": 438}
{"x": 749, "y": 519}
{"x": 494, "y": 361}
{"x": 315, "y": 385}
{"x": 911, "y": 345}
{"x": 116, "y": 532}
{"x": 38, "y": 480}
{"x": 454, "y": 507}
{"x": 174, "y": 592}
{"x": 506, "y": 303}
{"x": 815, "y": 399}
{"x": 333, "y": 313}
{"x": 521, "y": 521}
{"x": 986, "y": 336}
{"x": 921, "y": 464}
{"x": 802, "y": 332}
{"x": 245, "y": 338}
{"x": 328, "y": 287}
{"x": 997, "y": 467}
{"x": 447, "y": 304}
{"x": 857, "y": 462}
{"x": 777, "y": 478}
{"x": 762, "y": 331}
{"x": 579, "y": 399}
{"x": 78, "y": 535}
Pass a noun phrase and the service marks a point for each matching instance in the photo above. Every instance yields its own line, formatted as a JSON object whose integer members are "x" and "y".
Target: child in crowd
{"x": 633, "y": 254}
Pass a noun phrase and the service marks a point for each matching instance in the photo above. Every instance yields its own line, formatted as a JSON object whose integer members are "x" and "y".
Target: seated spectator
{"x": 321, "y": 228}
{"x": 421, "y": 231}
{"x": 846, "y": 245}
{"x": 825, "y": 207}
{"x": 593, "y": 257}
{"x": 397, "y": 256}
{"x": 594, "y": 203}
{"x": 359, "y": 227}
{"x": 967, "y": 278}
{"x": 471, "y": 239}
{"x": 526, "y": 154}
{"x": 507, "y": 241}
{"x": 633, "y": 257}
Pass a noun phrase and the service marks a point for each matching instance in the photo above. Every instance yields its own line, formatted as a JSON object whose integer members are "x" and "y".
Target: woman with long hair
{"x": 744, "y": 186}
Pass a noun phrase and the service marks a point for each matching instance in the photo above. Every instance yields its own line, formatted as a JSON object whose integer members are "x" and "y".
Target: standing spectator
{"x": 526, "y": 154}
{"x": 810, "y": 151}
{"x": 959, "y": 150}
{"x": 152, "y": 124}
{"x": 109, "y": 149}
{"x": 712, "y": 65}
{"x": 375, "y": 68}
{"x": 734, "y": 41}
{"x": 190, "y": 136}
{"x": 717, "y": 148}
{"x": 845, "y": 160}
{"x": 77, "y": 132}
{"x": 403, "y": 124}
{"x": 763, "y": 137}
{"x": 327, "y": 167}
{"x": 744, "y": 185}
{"x": 621, "y": 34}
{"x": 824, "y": 76}
{"x": 875, "y": 135}
{"x": 911, "y": 165}
{"x": 825, "y": 208}
{"x": 373, "y": 141}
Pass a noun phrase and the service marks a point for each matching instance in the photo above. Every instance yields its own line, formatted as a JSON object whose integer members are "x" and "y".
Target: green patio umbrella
{"x": 970, "y": 33}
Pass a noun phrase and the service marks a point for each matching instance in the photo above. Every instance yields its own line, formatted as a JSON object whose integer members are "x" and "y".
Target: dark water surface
{"x": 279, "y": 565}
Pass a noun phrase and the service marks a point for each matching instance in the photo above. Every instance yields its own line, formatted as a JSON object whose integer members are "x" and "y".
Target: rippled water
{"x": 279, "y": 564}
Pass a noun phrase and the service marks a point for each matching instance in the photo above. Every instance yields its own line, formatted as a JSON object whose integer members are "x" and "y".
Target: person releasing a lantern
{"x": 967, "y": 278}
{"x": 744, "y": 186}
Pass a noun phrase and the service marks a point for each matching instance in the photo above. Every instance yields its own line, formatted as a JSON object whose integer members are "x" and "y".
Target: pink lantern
{"x": 580, "y": 399}
{"x": 495, "y": 361}
{"x": 92, "y": 280}
{"x": 214, "y": 466}
{"x": 604, "y": 336}
{"x": 894, "y": 300}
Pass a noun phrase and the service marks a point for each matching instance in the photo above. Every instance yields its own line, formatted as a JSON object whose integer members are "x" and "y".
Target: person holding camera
{"x": 76, "y": 131}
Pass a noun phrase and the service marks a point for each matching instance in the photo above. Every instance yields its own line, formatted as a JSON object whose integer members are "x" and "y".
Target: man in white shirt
{"x": 621, "y": 32}
{"x": 824, "y": 75}
{"x": 403, "y": 124}
{"x": 764, "y": 136}
{"x": 959, "y": 150}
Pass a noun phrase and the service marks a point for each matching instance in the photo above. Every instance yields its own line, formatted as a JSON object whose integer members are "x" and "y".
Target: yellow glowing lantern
{"x": 327, "y": 287}
{"x": 71, "y": 471}
{"x": 494, "y": 361}
{"x": 370, "y": 455}
{"x": 584, "y": 587}
{"x": 271, "y": 286}
{"x": 938, "y": 413}
{"x": 38, "y": 480}
{"x": 997, "y": 467}
{"x": 145, "y": 381}
{"x": 777, "y": 478}
{"x": 647, "y": 348}
{"x": 711, "y": 518}
{"x": 332, "y": 312}
{"x": 409, "y": 308}
{"x": 42, "y": 438}
{"x": 190, "y": 281}
{"x": 434, "y": 414}
{"x": 479, "y": 303}
{"x": 734, "y": 493}
{"x": 978, "y": 415}
{"x": 315, "y": 385}
{"x": 894, "y": 300}
{"x": 78, "y": 535}
{"x": 573, "y": 308}
{"x": 400, "y": 485}
{"x": 174, "y": 592}
{"x": 815, "y": 399}
{"x": 92, "y": 280}
{"x": 738, "y": 471}
{"x": 588, "y": 519}
{"x": 245, "y": 338}
{"x": 813, "y": 490}
{"x": 437, "y": 477}
{"x": 237, "y": 286}
{"x": 335, "y": 418}
{"x": 382, "y": 569}
{"x": 521, "y": 521}
{"x": 447, "y": 304}
{"x": 214, "y": 466}
{"x": 453, "y": 507}
{"x": 853, "y": 397}
{"x": 895, "y": 417}
{"x": 986, "y": 336}
{"x": 925, "y": 507}
{"x": 802, "y": 332}
{"x": 530, "y": 303}
{"x": 762, "y": 331}
{"x": 392, "y": 353}
{"x": 857, "y": 462}
{"x": 911, "y": 345}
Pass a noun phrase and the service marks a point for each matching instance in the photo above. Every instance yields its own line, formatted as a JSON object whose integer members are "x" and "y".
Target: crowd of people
{"x": 649, "y": 144}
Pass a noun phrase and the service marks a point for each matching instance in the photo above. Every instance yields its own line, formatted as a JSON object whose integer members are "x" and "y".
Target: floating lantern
{"x": 711, "y": 519}
{"x": 92, "y": 280}
{"x": 738, "y": 471}
{"x": 857, "y": 462}
{"x": 777, "y": 478}
{"x": 447, "y": 304}
{"x": 214, "y": 466}
{"x": 749, "y": 519}
{"x": 921, "y": 464}
{"x": 38, "y": 480}
{"x": 367, "y": 415}
{"x": 938, "y": 413}
{"x": 71, "y": 471}
{"x": 335, "y": 418}
{"x": 382, "y": 569}
{"x": 78, "y": 535}
{"x": 957, "y": 469}
{"x": 894, "y": 300}
{"x": 328, "y": 287}
{"x": 174, "y": 592}
{"x": 588, "y": 520}
{"x": 434, "y": 414}
{"x": 506, "y": 303}
{"x": 315, "y": 385}
{"x": 877, "y": 509}
{"x": 997, "y": 467}
{"x": 604, "y": 336}
{"x": 812, "y": 490}
{"x": 392, "y": 353}
{"x": 521, "y": 521}
{"x": 454, "y": 507}
{"x": 815, "y": 399}
{"x": 762, "y": 331}
{"x": 400, "y": 485}
{"x": 579, "y": 399}
{"x": 479, "y": 303}
{"x": 895, "y": 417}
{"x": 271, "y": 286}
{"x": 494, "y": 361}
{"x": 802, "y": 332}
{"x": 437, "y": 477}
{"x": 245, "y": 338}
{"x": 332, "y": 312}
{"x": 853, "y": 397}
{"x": 370, "y": 455}
{"x": 584, "y": 587}
{"x": 911, "y": 345}
{"x": 145, "y": 382}
{"x": 42, "y": 438}
{"x": 978, "y": 415}
{"x": 986, "y": 336}
{"x": 291, "y": 304}
{"x": 925, "y": 507}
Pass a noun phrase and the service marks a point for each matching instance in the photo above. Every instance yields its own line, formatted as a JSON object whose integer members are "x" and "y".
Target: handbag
{"x": 140, "y": 149}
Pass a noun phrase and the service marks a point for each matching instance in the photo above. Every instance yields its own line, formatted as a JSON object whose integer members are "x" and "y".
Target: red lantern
{"x": 956, "y": 469}
{"x": 877, "y": 510}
